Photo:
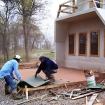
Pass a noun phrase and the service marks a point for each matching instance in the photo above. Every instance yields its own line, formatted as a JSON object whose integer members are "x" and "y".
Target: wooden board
{"x": 57, "y": 83}
{"x": 92, "y": 99}
{"x": 33, "y": 82}
{"x": 87, "y": 94}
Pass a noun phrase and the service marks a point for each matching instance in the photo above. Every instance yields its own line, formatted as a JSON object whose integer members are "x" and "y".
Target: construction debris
{"x": 73, "y": 93}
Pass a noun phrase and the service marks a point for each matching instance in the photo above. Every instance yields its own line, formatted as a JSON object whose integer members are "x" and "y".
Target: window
{"x": 72, "y": 44}
{"x": 82, "y": 43}
{"x": 94, "y": 43}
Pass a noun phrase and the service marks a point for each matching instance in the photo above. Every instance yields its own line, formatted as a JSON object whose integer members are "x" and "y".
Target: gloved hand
{"x": 15, "y": 79}
{"x": 46, "y": 79}
{"x": 21, "y": 80}
{"x": 35, "y": 75}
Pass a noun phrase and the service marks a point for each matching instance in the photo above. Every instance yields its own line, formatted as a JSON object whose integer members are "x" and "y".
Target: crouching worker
{"x": 48, "y": 67}
{"x": 6, "y": 72}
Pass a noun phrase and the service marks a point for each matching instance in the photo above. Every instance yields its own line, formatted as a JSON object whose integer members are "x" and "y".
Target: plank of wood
{"x": 92, "y": 99}
{"x": 58, "y": 11}
{"x": 86, "y": 101}
{"x": 26, "y": 89}
{"x": 87, "y": 94}
{"x": 94, "y": 3}
{"x": 101, "y": 102}
{"x": 71, "y": 94}
{"x": 55, "y": 85}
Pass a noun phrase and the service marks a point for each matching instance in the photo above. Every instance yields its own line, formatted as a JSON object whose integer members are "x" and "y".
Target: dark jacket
{"x": 47, "y": 66}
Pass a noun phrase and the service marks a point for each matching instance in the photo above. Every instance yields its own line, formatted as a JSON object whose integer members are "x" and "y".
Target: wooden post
{"x": 59, "y": 11}
{"x": 73, "y": 5}
{"x": 92, "y": 99}
{"x": 86, "y": 101}
{"x": 66, "y": 87}
{"x": 94, "y": 4}
{"x": 90, "y": 3}
{"x": 26, "y": 89}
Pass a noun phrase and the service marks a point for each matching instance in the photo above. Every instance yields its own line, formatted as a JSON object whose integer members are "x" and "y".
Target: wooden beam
{"x": 55, "y": 85}
{"x": 58, "y": 11}
{"x": 50, "y": 86}
{"x": 86, "y": 101}
{"x": 66, "y": 12}
{"x": 73, "y": 5}
{"x": 87, "y": 94}
{"x": 67, "y": 8}
{"x": 94, "y": 4}
{"x": 92, "y": 99}
{"x": 26, "y": 89}
{"x": 100, "y": 103}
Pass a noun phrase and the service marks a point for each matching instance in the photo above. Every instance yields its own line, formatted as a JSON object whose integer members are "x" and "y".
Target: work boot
{"x": 52, "y": 78}
{"x": 7, "y": 90}
{"x": 16, "y": 97}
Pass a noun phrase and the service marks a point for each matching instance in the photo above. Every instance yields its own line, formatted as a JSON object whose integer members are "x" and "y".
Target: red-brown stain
{"x": 73, "y": 75}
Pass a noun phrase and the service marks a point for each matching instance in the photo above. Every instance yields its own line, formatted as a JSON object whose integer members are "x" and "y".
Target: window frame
{"x": 92, "y": 55}
{"x": 79, "y": 44}
{"x": 74, "y": 44}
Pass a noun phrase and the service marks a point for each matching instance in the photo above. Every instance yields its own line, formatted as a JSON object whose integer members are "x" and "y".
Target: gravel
{"x": 7, "y": 99}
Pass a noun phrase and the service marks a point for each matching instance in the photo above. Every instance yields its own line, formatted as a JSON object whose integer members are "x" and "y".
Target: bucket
{"x": 91, "y": 81}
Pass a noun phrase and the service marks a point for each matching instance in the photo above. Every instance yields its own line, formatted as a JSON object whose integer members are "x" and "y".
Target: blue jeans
{"x": 9, "y": 82}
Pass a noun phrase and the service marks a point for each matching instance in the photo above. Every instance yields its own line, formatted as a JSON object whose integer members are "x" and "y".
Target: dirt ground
{"x": 73, "y": 75}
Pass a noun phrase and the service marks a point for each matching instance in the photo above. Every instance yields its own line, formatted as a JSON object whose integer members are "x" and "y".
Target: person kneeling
{"x": 6, "y": 72}
{"x": 48, "y": 67}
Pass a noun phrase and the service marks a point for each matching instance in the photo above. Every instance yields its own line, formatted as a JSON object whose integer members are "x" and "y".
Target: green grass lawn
{"x": 48, "y": 53}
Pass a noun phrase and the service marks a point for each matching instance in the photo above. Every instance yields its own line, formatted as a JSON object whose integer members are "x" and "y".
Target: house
{"x": 80, "y": 34}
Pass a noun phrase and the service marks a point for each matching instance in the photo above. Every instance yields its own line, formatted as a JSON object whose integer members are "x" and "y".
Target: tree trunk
{"x": 33, "y": 44}
{"x": 25, "y": 37}
{"x": 15, "y": 44}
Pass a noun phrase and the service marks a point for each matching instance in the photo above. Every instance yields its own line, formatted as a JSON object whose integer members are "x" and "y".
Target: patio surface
{"x": 73, "y": 75}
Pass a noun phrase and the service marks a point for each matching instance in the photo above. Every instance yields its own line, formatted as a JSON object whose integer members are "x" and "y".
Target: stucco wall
{"x": 86, "y": 62}
{"x": 60, "y": 54}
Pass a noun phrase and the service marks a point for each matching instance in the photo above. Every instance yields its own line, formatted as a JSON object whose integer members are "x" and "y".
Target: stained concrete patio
{"x": 73, "y": 75}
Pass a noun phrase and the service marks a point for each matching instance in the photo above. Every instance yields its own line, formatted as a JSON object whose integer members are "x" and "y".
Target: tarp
{"x": 33, "y": 82}
{"x": 99, "y": 86}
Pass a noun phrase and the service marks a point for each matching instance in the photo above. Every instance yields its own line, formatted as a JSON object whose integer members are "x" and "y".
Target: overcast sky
{"x": 48, "y": 24}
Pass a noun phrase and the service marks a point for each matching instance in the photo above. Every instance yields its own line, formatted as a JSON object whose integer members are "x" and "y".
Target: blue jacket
{"x": 8, "y": 69}
{"x": 48, "y": 65}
